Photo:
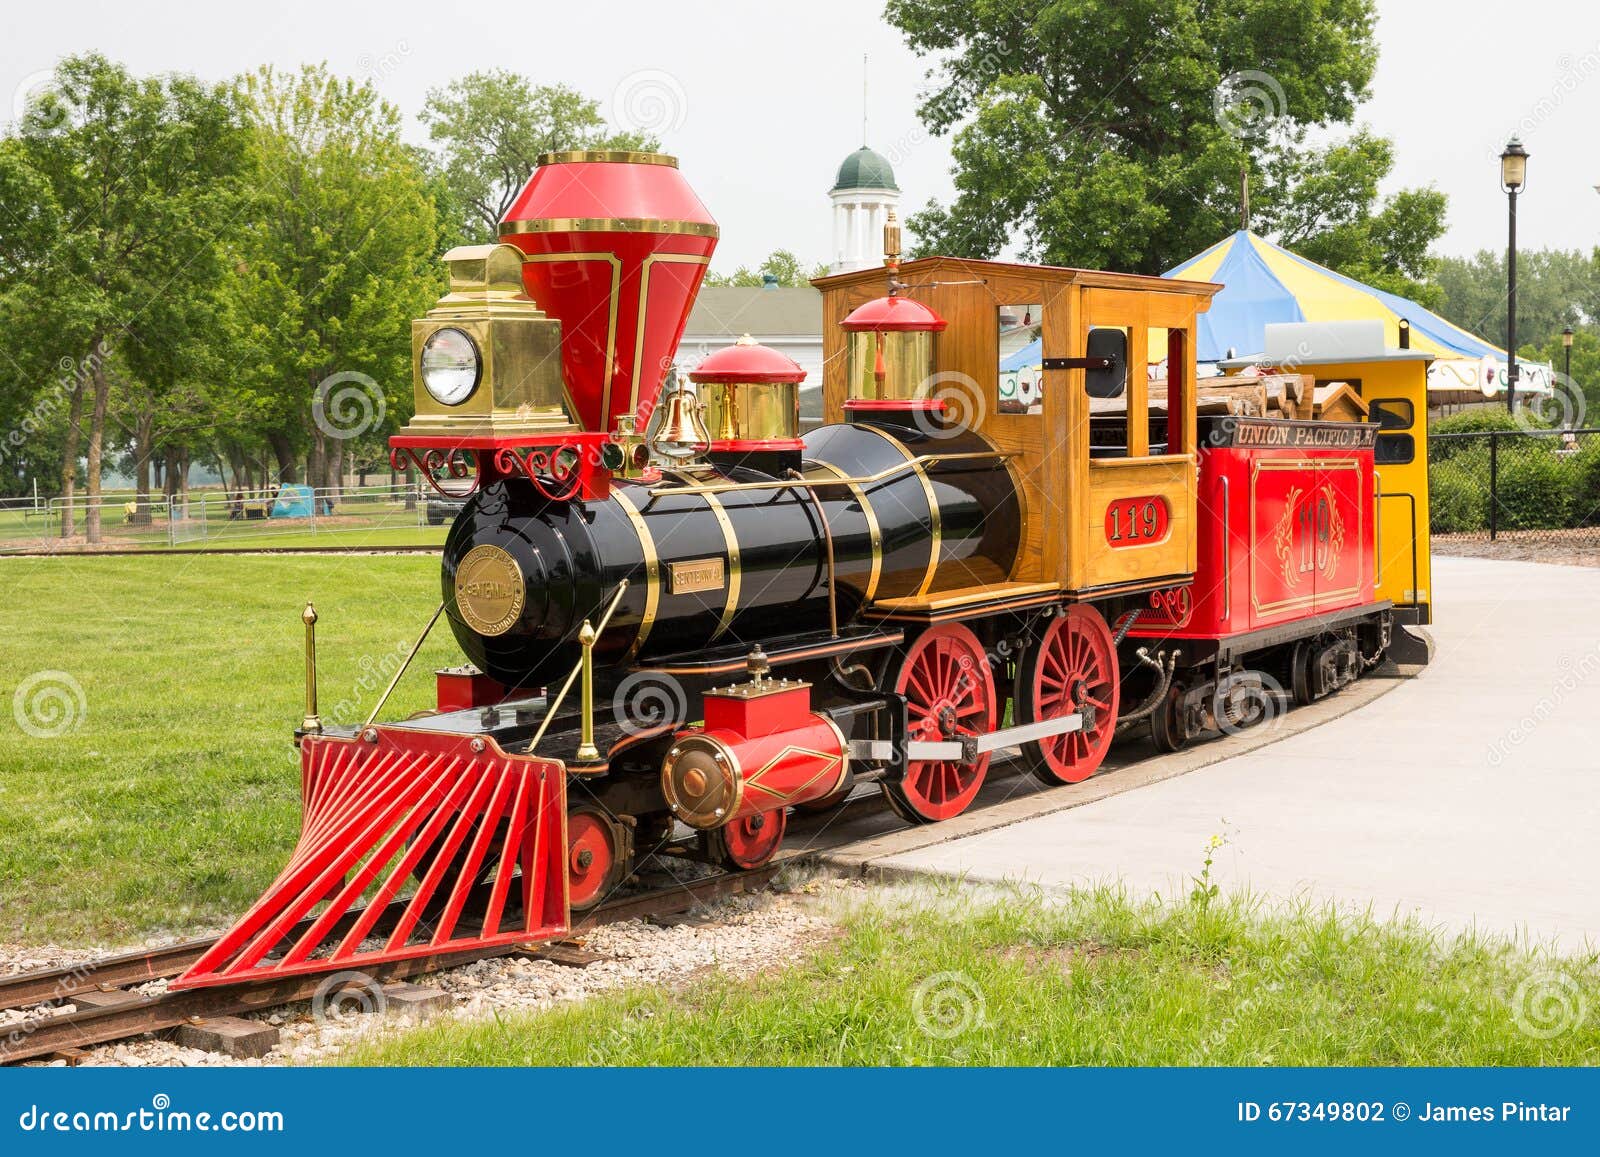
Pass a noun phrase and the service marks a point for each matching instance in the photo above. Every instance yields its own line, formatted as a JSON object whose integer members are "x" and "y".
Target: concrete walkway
{"x": 1470, "y": 795}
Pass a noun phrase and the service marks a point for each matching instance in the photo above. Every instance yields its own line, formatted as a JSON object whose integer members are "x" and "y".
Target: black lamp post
{"x": 1513, "y": 175}
{"x": 1566, "y": 344}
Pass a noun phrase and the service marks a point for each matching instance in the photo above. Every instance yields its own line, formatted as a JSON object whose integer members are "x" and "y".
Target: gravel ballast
{"x": 741, "y": 936}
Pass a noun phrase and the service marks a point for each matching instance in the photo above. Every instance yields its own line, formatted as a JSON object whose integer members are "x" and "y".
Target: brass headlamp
{"x": 486, "y": 360}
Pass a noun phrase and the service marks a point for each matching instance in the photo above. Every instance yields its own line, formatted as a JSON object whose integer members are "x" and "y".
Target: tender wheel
{"x": 749, "y": 842}
{"x": 1168, "y": 728}
{"x": 949, "y": 692}
{"x": 1074, "y": 656}
{"x": 1303, "y": 656}
{"x": 595, "y": 862}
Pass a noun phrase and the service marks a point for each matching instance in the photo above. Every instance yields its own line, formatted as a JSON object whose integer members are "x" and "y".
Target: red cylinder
{"x": 711, "y": 778}
{"x": 616, "y": 246}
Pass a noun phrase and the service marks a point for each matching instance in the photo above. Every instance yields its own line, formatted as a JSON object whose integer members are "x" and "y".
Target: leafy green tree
{"x": 780, "y": 264}
{"x": 132, "y": 179}
{"x": 1328, "y": 211}
{"x": 335, "y": 258}
{"x": 1555, "y": 288}
{"x": 1113, "y": 133}
{"x": 1576, "y": 403}
{"x": 489, "y": 129}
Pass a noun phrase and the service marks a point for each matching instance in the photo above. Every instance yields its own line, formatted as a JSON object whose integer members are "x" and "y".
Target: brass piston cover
{"x": 711, "y": 778}
{"x": 700, "y": 778}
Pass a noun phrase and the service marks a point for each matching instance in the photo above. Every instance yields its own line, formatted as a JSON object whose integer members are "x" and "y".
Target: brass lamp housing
{"x": 751, "y": 411}
{"x": 907, "y": 360}
{"x": 520, "y": 388}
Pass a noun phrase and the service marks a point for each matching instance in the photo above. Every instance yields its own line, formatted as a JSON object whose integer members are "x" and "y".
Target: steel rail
{"x": 29, "y": 1040}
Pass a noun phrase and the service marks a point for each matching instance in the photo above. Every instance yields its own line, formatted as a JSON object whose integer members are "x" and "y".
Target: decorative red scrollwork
{"x": 556, "y": 472}
{"x": 433, "y": 463}
{"x": 1169, "y": 607}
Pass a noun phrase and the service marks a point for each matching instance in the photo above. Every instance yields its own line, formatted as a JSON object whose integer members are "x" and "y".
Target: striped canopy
{"x": 1265, "y": 283}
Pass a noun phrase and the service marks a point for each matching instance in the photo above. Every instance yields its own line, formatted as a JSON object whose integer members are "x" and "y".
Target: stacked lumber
{"x": 1275, "y": 395}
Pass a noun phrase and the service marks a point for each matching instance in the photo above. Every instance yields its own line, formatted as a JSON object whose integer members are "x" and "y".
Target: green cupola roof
{"x": 864, "y": 169}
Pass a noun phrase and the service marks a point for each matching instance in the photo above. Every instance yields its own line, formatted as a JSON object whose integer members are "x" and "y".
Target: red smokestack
{"x": 616, "y": 245}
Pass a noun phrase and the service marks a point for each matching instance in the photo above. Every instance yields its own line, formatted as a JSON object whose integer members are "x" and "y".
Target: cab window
{"x": 1021, "y": 345}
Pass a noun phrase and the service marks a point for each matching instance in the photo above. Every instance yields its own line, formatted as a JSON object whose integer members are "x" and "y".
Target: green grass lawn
{"x": 173, "y": 797}
{"x": 363, "y": 537}
{"x": 1089, "y": 979}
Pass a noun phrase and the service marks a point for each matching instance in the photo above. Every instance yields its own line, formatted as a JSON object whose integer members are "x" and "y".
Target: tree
{"x": 1576, "y": 403}
{"x": 1555, "y": 288}
{"x": 489, "y": 129}
{"x": 337, "y": 255}
{"x": 780, "y": 264}
{"x": 143, "y": 172}
{"x": 1328, "y": 211}
{"x": 1113, "y": 133}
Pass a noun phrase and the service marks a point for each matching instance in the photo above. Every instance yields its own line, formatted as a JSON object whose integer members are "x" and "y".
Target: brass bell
{"x": 682, "y": 434}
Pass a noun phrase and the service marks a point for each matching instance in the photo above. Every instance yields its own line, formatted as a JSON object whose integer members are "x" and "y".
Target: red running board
{"x": 418, "y": 815}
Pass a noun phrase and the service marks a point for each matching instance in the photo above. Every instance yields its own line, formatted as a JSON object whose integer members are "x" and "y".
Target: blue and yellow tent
{"x": 1265, "y": 283}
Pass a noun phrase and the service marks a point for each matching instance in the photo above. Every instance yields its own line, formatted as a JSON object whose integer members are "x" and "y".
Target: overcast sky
{"x": 761, "y": 101}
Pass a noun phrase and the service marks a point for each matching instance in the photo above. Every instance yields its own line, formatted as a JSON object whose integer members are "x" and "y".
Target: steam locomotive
{"x": 684, "y": 617}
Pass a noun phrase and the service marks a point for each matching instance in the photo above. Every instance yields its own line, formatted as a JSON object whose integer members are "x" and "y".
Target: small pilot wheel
{"x": 949, "y": 692}
{"x": 1074, "y": 657}
{"x": 595, "y": 865}
{"x": 748, "y": 842}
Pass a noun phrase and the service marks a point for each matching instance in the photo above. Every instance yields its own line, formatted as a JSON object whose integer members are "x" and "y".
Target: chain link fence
{"x": 1539, "y": 486}
{"x": 354, "y": 516}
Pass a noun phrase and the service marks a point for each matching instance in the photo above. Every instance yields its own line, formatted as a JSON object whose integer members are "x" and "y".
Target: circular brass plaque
{"x": 489, "y": 590}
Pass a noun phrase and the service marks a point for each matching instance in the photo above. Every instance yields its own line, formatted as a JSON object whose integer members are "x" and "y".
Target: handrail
{"x": 415, "y": 647}
{"x": 555, "y": 704}
{"x": 809, "y": 483}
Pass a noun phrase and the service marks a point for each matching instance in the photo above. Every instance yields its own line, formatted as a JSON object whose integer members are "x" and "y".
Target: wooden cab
{"x": 1104, "y": 455}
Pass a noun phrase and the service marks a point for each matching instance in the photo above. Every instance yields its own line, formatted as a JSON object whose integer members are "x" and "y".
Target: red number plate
{"x": 1137, "y": 521}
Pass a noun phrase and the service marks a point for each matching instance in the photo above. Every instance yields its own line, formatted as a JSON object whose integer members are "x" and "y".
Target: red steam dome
{"x": 748, "y": 361}
{"x": 893, "y": 315}
{"x": 616, "y": 245}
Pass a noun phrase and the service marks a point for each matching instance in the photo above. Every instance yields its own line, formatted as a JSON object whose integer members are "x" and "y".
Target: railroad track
{"x": 121, "y": 1013}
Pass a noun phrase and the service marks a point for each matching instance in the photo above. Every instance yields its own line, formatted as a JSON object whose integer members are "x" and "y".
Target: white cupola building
{"x": 863, "y": 194}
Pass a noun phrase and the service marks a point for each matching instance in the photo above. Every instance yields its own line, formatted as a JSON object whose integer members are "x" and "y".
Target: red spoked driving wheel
{"x": 1074, "y": 657}
{"x": 949, "y": 692}
{"x": 748, "y": 842}
{"x": 595, "y": 864}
